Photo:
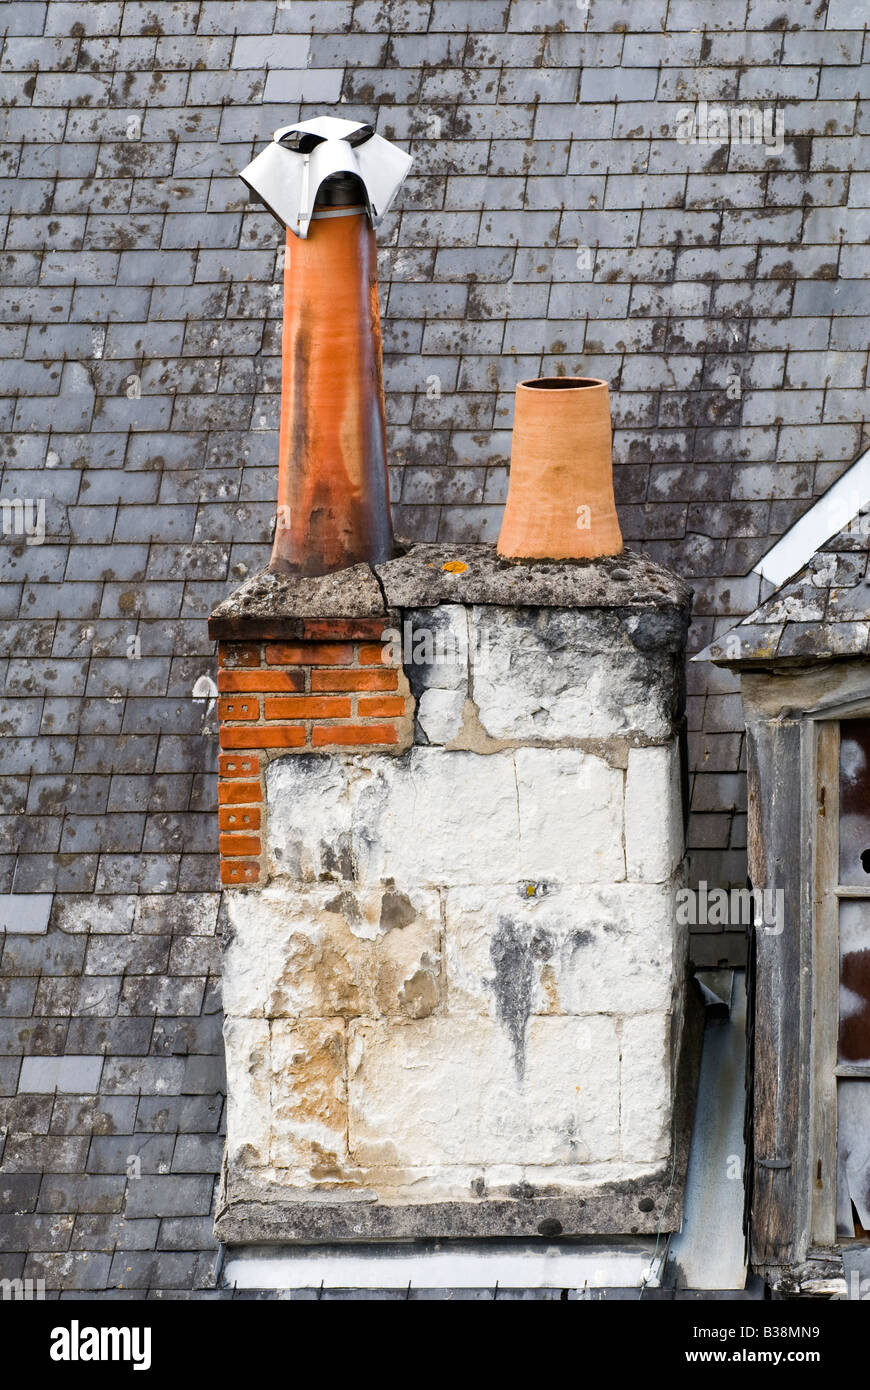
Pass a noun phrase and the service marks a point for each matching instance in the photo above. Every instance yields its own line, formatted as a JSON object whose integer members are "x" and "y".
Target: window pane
{"x": 853, "y": 1155}
{"x": 854, "y": 1039}
{"x": 855, "y": 801}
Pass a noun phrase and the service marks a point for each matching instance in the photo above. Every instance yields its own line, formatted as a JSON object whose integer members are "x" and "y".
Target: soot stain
{"x": 511, "y": 954}
{"x": 514, "y": 951}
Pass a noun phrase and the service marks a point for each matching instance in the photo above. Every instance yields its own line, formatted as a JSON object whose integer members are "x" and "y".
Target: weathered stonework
{"x": 457, "y": 990}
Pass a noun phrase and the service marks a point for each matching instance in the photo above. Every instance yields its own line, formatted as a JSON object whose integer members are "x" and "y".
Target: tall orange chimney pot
{"x": 330, "y": 182}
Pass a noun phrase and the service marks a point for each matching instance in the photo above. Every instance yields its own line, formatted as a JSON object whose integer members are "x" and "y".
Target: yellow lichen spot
{"x": 455, "y": 566}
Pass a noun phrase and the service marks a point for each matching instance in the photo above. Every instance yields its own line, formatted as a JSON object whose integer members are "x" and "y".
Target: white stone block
{"x": 435, "y": 647}
{"x": 554, "y": 674}
{"x": 330, "y": 951}
{"x": 249, "y": 1108}
{"x": 443, "y": 818}
{"x": 564, "y": 950}
{"x": 447, "y": 1091}
{"x": 429, "y": 817}
{"x": 309, "y": 1096}
{"x": 570, "y": 807}
{"x": 311, "y": 801}
{"x": 646, "y": 1088}
{"x": 653, "y": 813}
{"x": 439, "y": 714}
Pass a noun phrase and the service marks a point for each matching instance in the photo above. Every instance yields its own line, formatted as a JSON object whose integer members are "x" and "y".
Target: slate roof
{"x": 143, "y": 300}
{"x": 822, "y": 613}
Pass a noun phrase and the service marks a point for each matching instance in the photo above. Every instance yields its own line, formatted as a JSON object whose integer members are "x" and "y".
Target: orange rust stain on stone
{"x": 548, "y": 984}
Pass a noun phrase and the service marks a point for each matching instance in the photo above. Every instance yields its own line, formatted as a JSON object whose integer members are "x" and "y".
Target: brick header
{"x": 336, "y": 687}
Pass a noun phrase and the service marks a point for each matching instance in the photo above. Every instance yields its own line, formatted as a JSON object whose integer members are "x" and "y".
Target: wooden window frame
{"x": 794, "y": 976}
{"x": 828, "y": 893}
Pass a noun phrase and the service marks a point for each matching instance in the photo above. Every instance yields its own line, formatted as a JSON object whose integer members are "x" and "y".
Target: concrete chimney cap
{"x": 287, "y": 175}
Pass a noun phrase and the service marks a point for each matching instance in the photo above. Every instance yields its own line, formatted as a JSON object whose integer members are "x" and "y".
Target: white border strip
{"x": 531, "y": 1267}
{"x": 840, "y": 505}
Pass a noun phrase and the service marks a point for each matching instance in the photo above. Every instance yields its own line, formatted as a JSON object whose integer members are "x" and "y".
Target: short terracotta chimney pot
{"x": 560, "y": 496}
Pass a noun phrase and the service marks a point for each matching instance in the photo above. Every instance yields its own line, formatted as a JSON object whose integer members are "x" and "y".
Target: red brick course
{"x": 238, "y": 765}
{"x": 262, "y": 736}
{"x": 239, "y": 817}
{"x": 350, "y": 734}
{"x": 354, "y": 680}
{"x": 261, "y": 680}
{"x": 240, "y": 871}
{"x": 309, "y": 654}
{"x": 334, "y": 688}
{"x": 311, "y": 707}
